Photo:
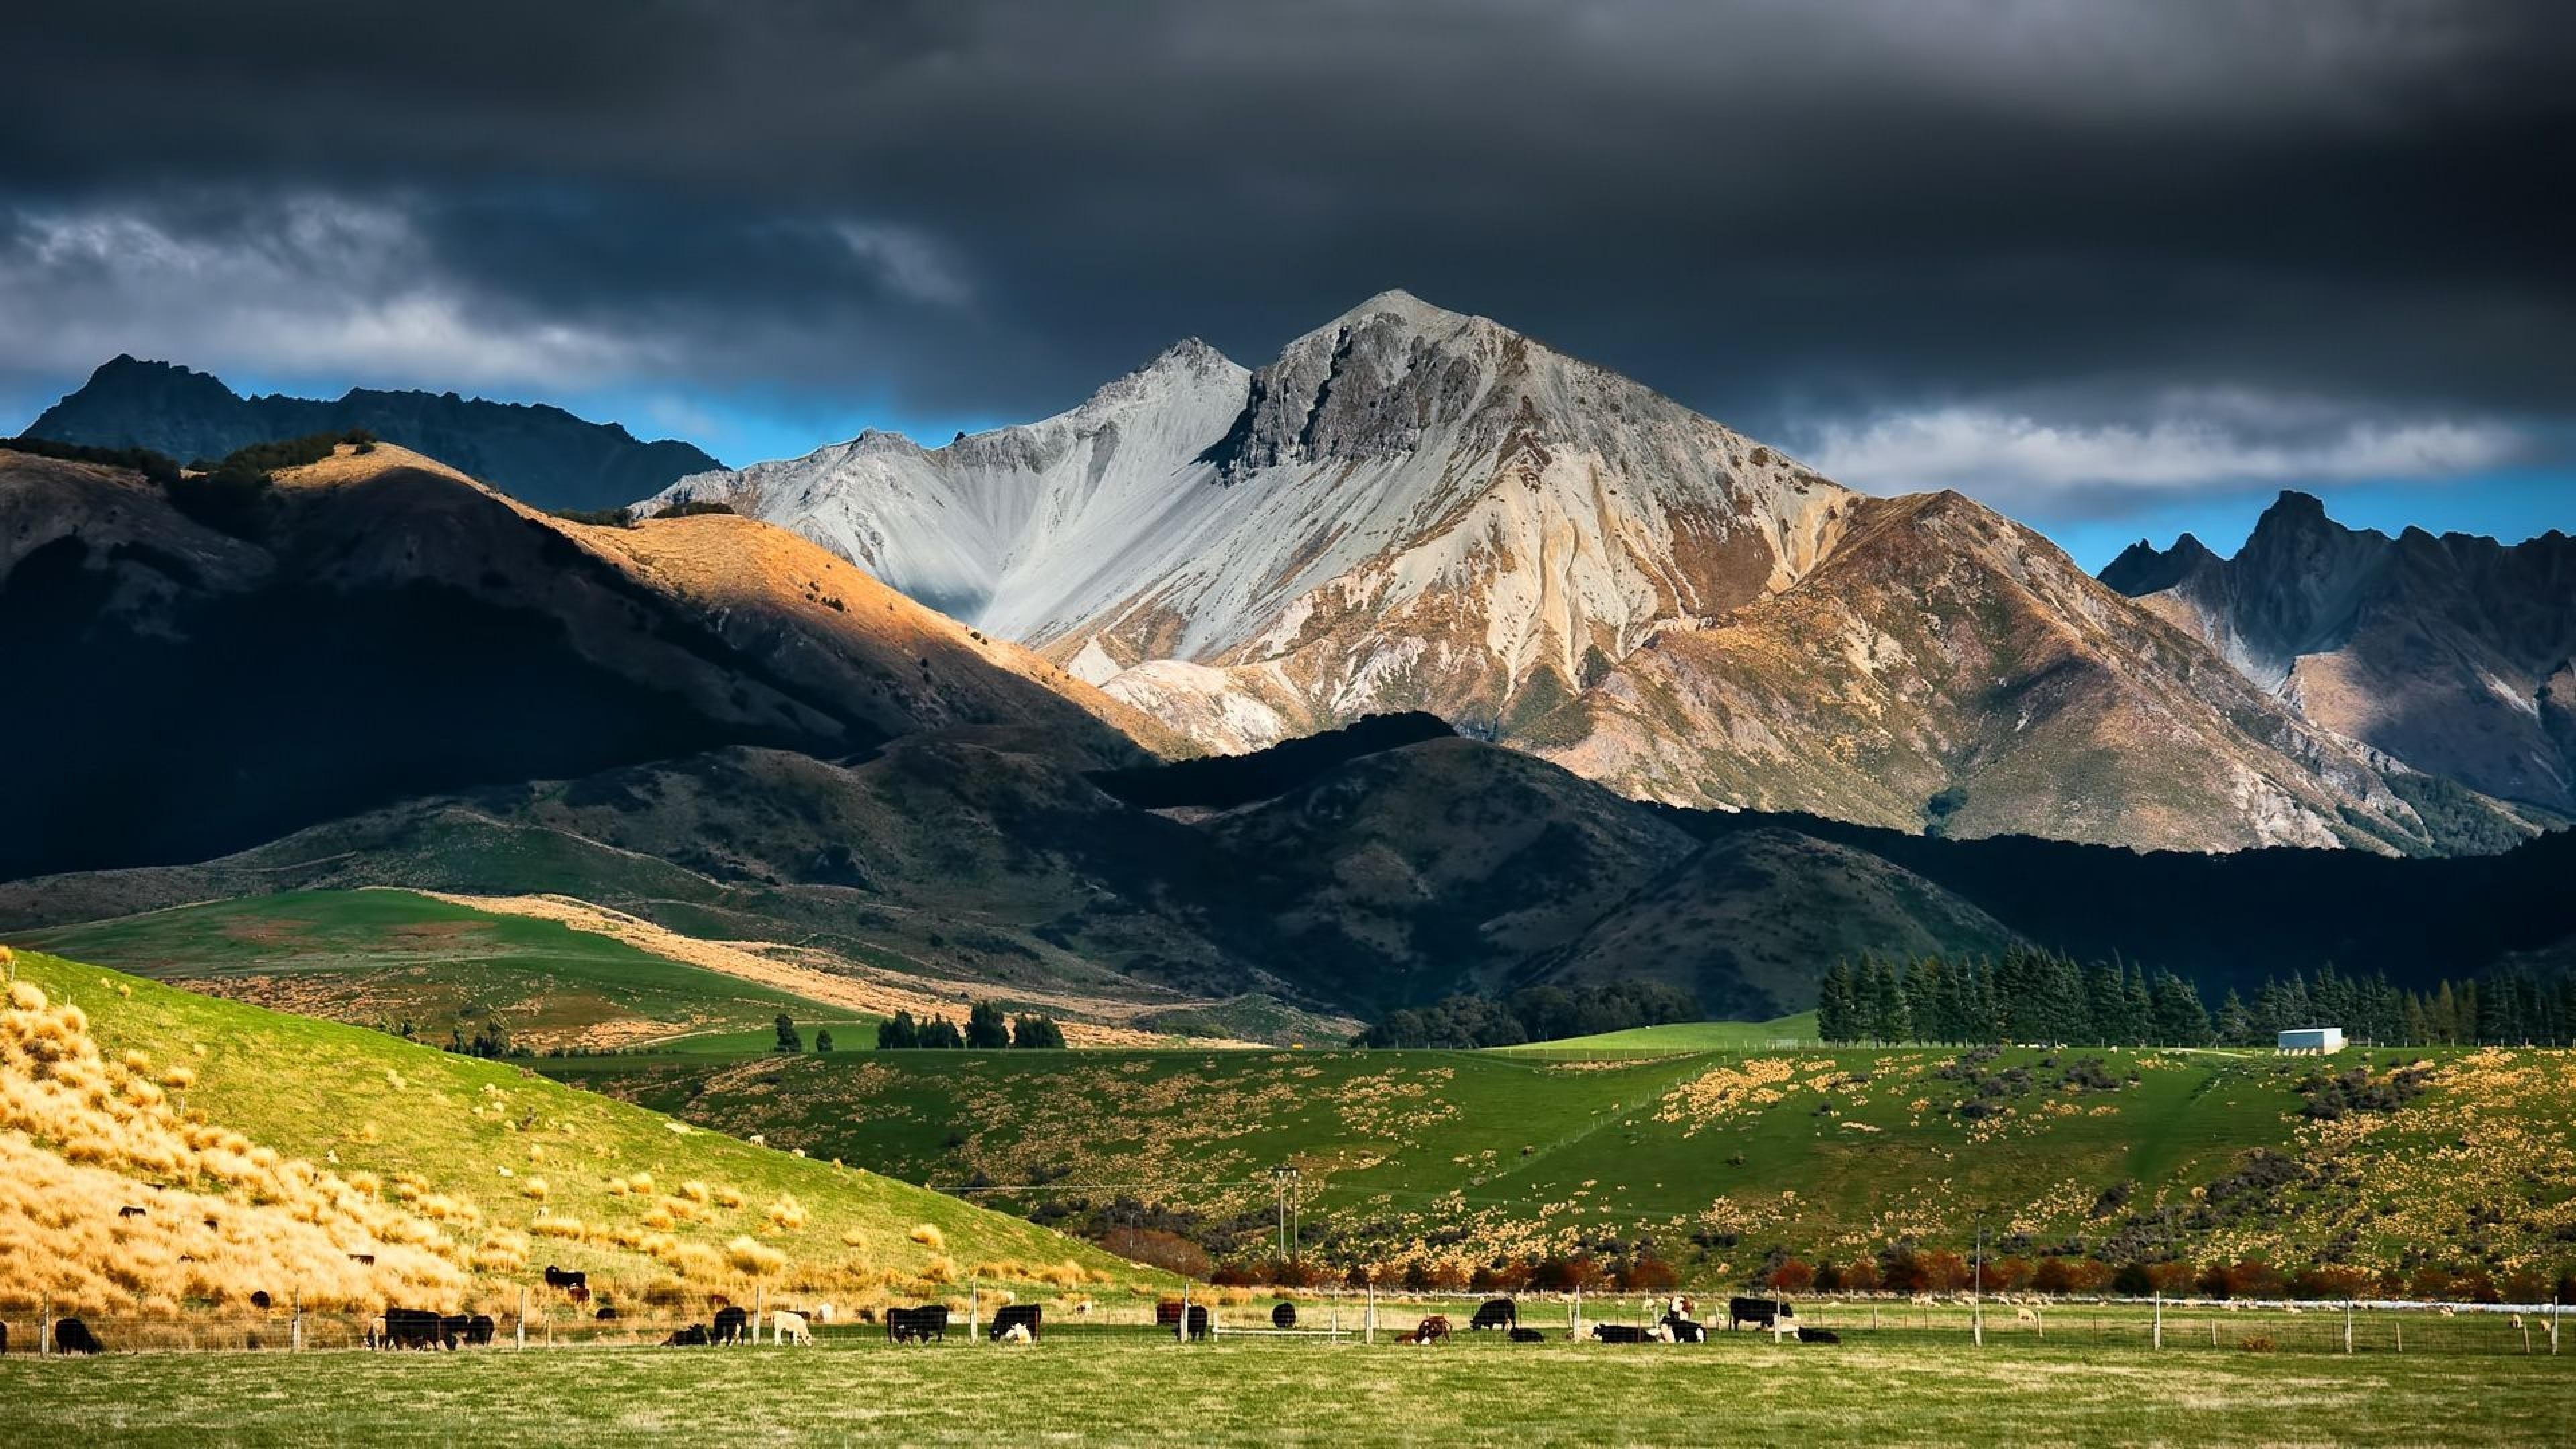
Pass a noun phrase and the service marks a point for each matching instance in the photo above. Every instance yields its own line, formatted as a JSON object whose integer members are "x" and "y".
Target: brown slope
{"x": 382, "y": 627}
{"x": 1945, "y": 667}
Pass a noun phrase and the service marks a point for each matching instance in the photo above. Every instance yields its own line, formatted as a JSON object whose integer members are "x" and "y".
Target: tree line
{"x": 987, "y": 1028}
{"x": 2035, "y": 995}
{"x": 1533, "y": 1013}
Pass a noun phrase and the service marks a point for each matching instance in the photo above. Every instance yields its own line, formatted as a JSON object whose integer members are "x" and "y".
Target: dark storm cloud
{"x": 2078, "y": 218}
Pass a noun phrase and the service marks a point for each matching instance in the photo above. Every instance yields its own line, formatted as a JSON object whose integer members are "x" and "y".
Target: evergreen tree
{"x": 2181, "y": 1020}
{"x": 2139, "y": 1007}
{"x": 1923, "y": 999}
{"x": 898, "y": 1032}
{"x": 2235, "y": 1023}
{"x": 1886, "y": 1005}
{"x": 1036, "y": 1031}
{"x": 788, "y": 1040}
{"x": 823, "y": 1040}
{"x": 1834, "y": 1006}
{"x": 941, "y": 1033}
{"x": 986, "y": 1027}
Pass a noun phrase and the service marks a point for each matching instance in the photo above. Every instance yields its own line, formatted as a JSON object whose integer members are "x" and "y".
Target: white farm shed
{"x": 2313, "y": 1039}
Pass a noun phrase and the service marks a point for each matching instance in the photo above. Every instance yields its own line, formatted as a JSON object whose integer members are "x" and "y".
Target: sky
{"x": 2121, "y": 270}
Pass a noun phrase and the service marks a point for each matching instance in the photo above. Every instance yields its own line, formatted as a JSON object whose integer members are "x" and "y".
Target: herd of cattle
{"x": 412, "y": 1328}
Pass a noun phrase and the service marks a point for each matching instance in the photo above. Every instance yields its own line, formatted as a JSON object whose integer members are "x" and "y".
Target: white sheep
{"x": 786, "y": 1327}
{"x": 1017, "y": 1333}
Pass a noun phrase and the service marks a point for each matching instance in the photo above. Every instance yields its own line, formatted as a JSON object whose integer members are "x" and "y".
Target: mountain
{"x": 1410, "y": 508}
{"x": 542, "y": 455}
{"x": 1415, "y": 509}
{"x": 2451, "y": 653}
{"x": 1944, "y": 668}
{"x": 376, "y": 626}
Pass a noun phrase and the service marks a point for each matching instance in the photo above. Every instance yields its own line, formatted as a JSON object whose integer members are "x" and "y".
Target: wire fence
{"x": 551, "y": 1319}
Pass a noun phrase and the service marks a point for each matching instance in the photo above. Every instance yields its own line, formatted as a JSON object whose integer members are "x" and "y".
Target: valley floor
{"x": 1097, "y": 1389}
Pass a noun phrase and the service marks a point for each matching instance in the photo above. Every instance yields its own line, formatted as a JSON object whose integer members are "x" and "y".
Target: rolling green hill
{"x": 301, "y": 1142}
{"x": 383, "y": 957}
{"x": 1713, "y": 1159}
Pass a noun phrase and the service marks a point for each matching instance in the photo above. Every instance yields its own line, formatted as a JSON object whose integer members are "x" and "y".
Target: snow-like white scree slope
{"x": 1410, "y": 507}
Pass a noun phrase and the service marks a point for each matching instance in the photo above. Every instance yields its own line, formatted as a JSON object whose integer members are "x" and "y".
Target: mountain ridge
{"x": 534, "y": 451}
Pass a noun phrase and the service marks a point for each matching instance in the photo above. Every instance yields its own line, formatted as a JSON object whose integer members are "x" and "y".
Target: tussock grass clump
{"x": 751, "y": 1256}
{"x": 230, "y": 1218}
{"x": 929, "y": 1236}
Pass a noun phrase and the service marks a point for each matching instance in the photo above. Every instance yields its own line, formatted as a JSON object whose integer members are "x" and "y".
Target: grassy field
{"x": 1133, "y": 1389}
{"x": 1470, "y": 1158}
{"x": 1681, "y": 1036}
{"x": 373, "y": 957}
{"x": 484, "y": 1154}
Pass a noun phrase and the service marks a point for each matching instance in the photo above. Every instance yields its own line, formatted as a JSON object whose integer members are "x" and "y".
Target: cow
{"x": 414, "y": 1328}
{"x": 261, "y": 1300}
{"x": 1018, "y": 1315}
{"x": 1818, "y": 1335}
{"x": 4, "y": 1340}
{"x": 1629, "y": 1333}
{"x": 1528, "y": 1335}
{"x": 1496, "y": 1313}
{"x": 1760, "y": 1312}
{"x": 606, "y": 1314}
{"x": 732, "y": 1325}
{"x": 73, "y": 1336}
{"x": 1682, "y": 1329}
{"x": 786, "y": 1327}
{"x": 1434, "y": 1329}
{"x": 454, "y": 1328}
{"x": 917, "y": 1325}
{"x": 1168, "y": 1314}
{"x": 1284, "y": 1316}
{"x": 363, "y": 1260}
{"x": 478, "y": 1329}
{"x": 823, "y": 1314}
{"x": 129, "y": 1211}
{"x": 693, "y": 1336}
{"x": 566, "y": 1277}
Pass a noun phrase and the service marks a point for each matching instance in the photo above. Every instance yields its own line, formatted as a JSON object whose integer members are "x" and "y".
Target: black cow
{"x": 1284, "y": 1316}
{"x": 918, "y": 1325}
{"x": 693, "y": 1336}
{"x": 129, "y": 1211}
{"x": 606, "y": 1315}
{"x": 4, "y": 1338}
{"x": 415, "y": 1328}
{"x": 1685, "y": 1330}
{"x": 1528, "y": 1335}
{"x": 732, "y": 1325}
{"x": 1496, "y": 1313}
{"x": 1024, "y": 1315}
{"x": 1621, "y": 1333}
{"x": 1760, "y": 1312}
{"x": 566, "y": 1278}
{"x": 363, "y": 1260}
{"x": 454, "y": 1327}
{"x": 260, "y": 1299}
{"x": 478, "y": 1329}
{"x": 73, "y": 1336}
{"x": 1818, "y": 1335}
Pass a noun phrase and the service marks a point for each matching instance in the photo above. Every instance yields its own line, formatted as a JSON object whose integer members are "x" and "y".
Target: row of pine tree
{"x": 2042, "y": 996}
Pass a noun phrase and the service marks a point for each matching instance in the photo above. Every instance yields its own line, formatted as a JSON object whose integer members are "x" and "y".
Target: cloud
{"x": 1773, "y": 210}
{"x": 2019, "y": 462}
{"x": 315, "y": 286}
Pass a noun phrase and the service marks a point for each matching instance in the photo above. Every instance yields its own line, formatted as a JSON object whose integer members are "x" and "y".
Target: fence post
{"x": 2401, "y": 1334}
{"x": 2160, "y": 1318}
{"x": 45, "y": 1329}
{"x": 974, "y": 1307}
{"x": 760, "y": 1300}
{"x": 1184, "y": 1334}
{"x": 295, "y": 1323}
{"x": 1577, "y": 1331}
{"x": 1337, "y": 1320}
{"x": 1368, "y": 1328}
{"x": 2553, "y": 1325}
{"x": 2347, "y": 1325}
{"x": 523, "y": 1318}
